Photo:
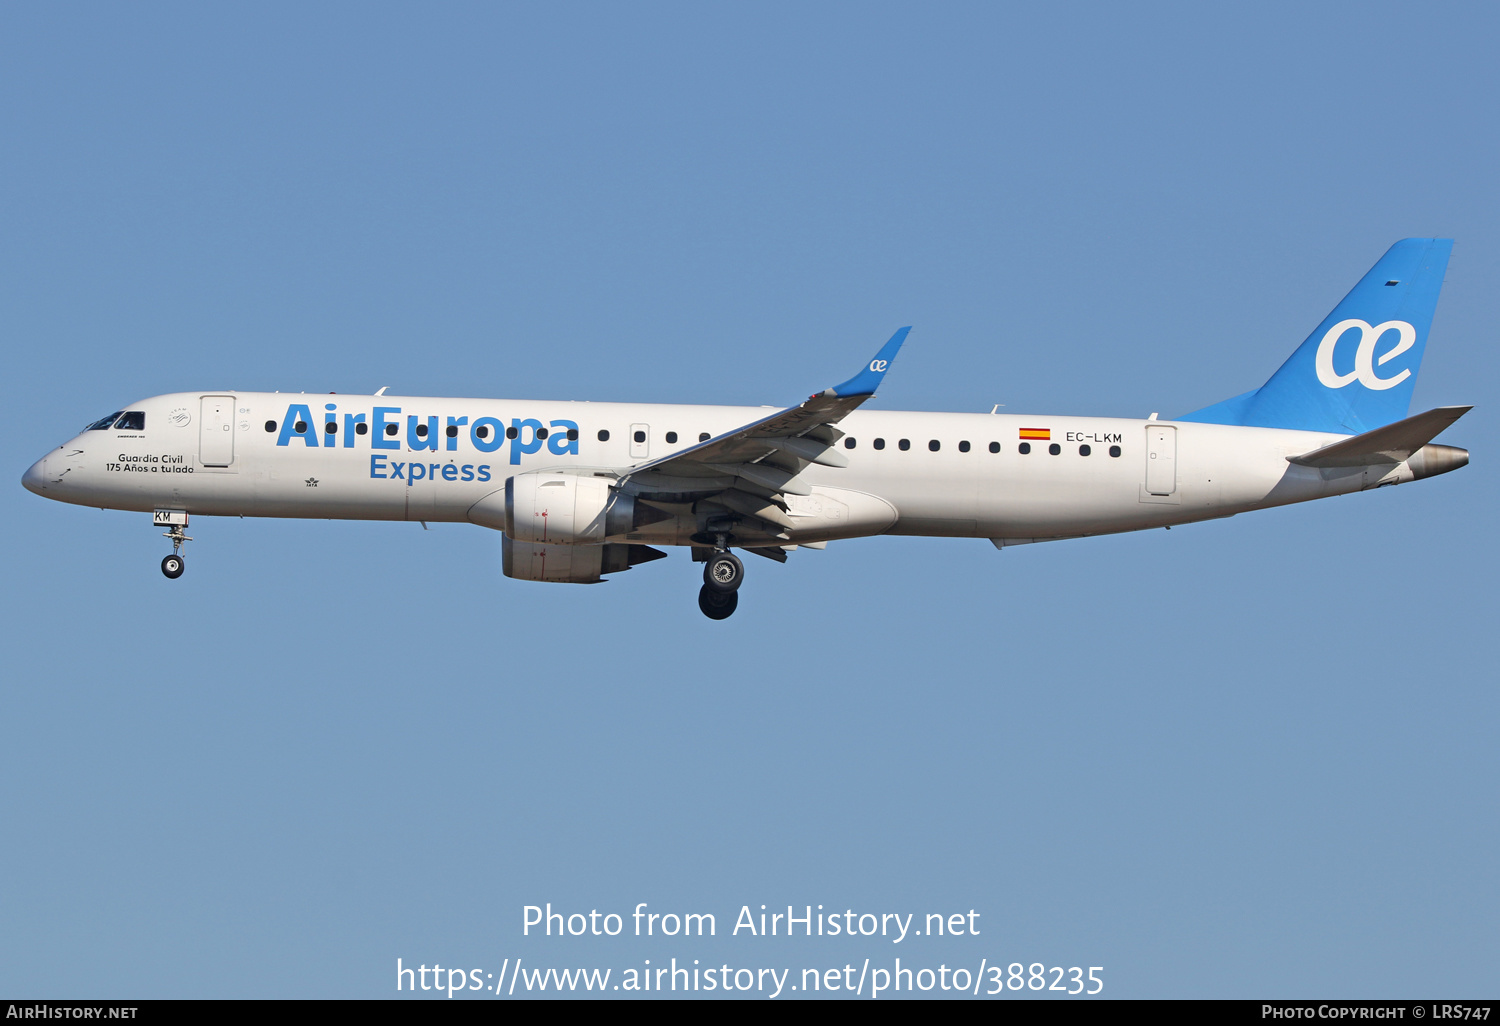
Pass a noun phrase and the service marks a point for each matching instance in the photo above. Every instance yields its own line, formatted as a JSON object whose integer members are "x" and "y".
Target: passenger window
{"x": 1084, "y": 450}
{"x": 603, "y": 435}
{"x": 421, "y": 430}
{"x": 100, "y": 425}
{"x": 572, "y": 434}
{"x": 904, "y": 444}
{"x": 512, "y": 432}
{"x": 1024, "y": 448}
{"x": 994, "y": 447}
{"x": 541, "y": 432}
{"x": 934, "y": 445}
{"x": 481, "y": 432}
{"x": 703, "y": 436}
{"x": 963, "y": 446}
{"x": 640, "y": 436}
{"x": 879, "y": 443}
{"x": 452, "y": 430}
{"x": 330, "y": 428}
{"x": 270, "y": 426}
{"x": 359, "y": 429}
{"x": 135, "y": 420}
{"x": 390, "y": 429}
{"x": 1114, "y": 450}
{"x": 849, "y": 443}
{"x": 671, "y": 437}
{"x": 1055, "y": 449}
{"x": 300, "y": 427}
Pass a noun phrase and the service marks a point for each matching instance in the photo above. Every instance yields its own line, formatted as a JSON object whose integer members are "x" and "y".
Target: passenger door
{"x": 216, "y": 431}
{"x": 1161, "y": 459}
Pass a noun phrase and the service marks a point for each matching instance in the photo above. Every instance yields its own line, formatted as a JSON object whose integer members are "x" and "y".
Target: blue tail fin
{"x": 1337, "y": 381}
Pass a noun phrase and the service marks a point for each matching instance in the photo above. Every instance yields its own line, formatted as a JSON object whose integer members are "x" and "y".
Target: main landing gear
{"x": 176, "y": 521}
{"x": 723, "y": 574}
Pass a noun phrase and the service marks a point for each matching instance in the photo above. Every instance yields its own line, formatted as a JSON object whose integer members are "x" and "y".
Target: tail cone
{"x": 1431, "y": 460}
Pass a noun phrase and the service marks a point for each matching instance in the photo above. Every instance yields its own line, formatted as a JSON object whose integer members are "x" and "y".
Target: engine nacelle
{"x": 565, "y": 507}
{"x": 570, "y": 564}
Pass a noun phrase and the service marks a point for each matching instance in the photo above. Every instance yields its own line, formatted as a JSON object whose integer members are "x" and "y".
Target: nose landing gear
{"x": 175, "y": 520}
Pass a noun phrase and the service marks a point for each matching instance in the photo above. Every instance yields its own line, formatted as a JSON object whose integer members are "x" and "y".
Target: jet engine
{"x": 570, "y": 564}
{"x": 565, "y": 507}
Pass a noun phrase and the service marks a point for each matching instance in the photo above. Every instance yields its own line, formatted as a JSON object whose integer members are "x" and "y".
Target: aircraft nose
{"x": 35, "y": 478}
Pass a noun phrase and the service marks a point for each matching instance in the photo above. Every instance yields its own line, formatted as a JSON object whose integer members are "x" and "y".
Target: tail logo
{"x": 1364, "y": 356}
{"x": 879, "y": 366}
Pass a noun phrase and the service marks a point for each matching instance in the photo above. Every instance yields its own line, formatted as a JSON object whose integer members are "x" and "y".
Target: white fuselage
{"x": 239, "y": 454}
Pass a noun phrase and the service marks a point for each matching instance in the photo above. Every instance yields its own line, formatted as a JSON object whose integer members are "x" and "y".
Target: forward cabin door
{"x": 216, "y": 431}
{"x": 1161, "y": 459}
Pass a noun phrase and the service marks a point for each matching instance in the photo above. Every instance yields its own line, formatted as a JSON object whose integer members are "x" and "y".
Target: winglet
{"x": 868, "y": 379}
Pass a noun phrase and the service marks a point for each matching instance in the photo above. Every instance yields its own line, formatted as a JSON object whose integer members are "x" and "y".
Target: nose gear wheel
{"x": 173, "y": 566}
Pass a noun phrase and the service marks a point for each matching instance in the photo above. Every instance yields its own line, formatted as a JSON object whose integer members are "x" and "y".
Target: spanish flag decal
{"x": 1036, "y": 434}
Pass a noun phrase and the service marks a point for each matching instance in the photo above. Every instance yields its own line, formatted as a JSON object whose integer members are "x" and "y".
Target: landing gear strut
{"x": 175, "y": 520}
{"x": 723, "y": 573}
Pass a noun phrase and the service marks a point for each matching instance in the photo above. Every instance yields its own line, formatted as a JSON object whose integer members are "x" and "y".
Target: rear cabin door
{"x": 216, "y": 431}
{"x": 1161, "y": 459}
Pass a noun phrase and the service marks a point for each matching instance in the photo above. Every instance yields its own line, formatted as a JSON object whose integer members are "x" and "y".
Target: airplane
{"x": 580, "y": 490}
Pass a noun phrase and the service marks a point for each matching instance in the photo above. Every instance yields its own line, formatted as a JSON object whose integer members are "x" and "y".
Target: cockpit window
{"x": 100, "y": 425}
{"x": 132, "y": 420}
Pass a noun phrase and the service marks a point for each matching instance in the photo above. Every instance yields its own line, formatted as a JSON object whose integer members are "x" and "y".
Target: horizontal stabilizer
{"x": 1388, "y": 445}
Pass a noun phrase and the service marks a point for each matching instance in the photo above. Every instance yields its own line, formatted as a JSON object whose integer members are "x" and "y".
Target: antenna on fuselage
{"x": 382, "y": 389}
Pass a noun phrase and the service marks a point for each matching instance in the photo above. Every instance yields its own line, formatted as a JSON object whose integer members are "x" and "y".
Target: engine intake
{"x": 563, "y": 507}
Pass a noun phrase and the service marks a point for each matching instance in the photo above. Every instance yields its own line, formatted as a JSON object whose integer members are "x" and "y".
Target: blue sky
{"x": 1243, "y": 758}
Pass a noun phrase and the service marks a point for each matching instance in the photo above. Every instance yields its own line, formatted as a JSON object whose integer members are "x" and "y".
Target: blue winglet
{"x": 867, "y": 380}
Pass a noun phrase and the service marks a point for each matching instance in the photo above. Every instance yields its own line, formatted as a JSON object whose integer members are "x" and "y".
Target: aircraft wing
{"x": 749, "y": 470}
